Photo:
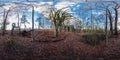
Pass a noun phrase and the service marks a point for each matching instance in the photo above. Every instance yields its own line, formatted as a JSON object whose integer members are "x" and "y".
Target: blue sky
{"x": 74, "y": 6}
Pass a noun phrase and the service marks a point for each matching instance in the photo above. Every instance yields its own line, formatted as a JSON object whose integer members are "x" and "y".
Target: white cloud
{"x": 42, "y": 6}
{"x": 63, "y": 4}
{"x": 78, "y": 6}
{"x": 98, "y": 13}
{"x": 74, "y": 8}
{"x": 9, "y": 6}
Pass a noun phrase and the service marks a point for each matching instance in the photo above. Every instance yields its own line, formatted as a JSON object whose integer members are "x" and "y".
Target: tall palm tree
{"x": 58, "y": 17}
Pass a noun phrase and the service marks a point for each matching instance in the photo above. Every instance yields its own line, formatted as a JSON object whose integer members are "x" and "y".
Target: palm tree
{"x": 58, "y": 17}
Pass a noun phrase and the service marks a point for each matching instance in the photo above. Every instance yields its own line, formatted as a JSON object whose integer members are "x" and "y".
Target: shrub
{"x": 86, "y": 30}
{"x": 93, "y": 31}
{"x": 93, "y": 39}
{"x": 99, "y": 31}
{"x": 12, "y": 43}
{"x": 101, "y": 36}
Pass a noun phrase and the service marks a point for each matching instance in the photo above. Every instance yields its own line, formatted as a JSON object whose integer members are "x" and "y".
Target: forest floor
{"x": 67, "y": 47}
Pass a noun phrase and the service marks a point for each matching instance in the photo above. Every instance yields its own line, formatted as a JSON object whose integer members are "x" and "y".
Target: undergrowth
{"x": 93, "y": 38}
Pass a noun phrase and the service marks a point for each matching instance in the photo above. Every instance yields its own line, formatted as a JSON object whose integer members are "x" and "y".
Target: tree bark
{"x": 18, "y": 22}
{"x": 4, "y": 22}
{"x": 116, "y": 20}
{"x": 56, "y": 29}
{"x": 111, "y": 24}
{"x": 92, "y": 22}
{"x": 33, "y": 23}
{"x": 106, "y": 27}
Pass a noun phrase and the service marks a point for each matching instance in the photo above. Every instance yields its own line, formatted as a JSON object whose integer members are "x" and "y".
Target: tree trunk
{"x": 38, "y": 25}
{"x": 111, "y": 24}
{"x": 33, "y": 23}
{"x": 106, "y": 28}
{"x": 18, "y": 23}
{"x": 56, "y": 31}
{"x": 4, "y": 22}
{"x": 24, "y": 26}
{"x": 60, "y": 28}
{"x": 116, "y": 20}
{"x": 92, "y": 22}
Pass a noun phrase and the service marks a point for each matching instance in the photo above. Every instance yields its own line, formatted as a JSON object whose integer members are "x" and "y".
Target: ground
{"x": 68, "y": 46}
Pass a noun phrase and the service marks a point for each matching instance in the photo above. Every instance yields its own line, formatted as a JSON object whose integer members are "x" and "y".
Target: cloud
{"x": 9, "y": 6}
{"x": 63, "y": 4}
{"x": 97, "y": 12}
{"x": 43, "y": 7}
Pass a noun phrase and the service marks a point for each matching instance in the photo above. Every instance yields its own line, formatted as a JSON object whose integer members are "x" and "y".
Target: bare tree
{"x": 117, "y": 6}
{"x": 5, "y": 21}
{"x": 106, "y": 27}
{"x": 18, "y": 21}
{"x": 111, "y": 21}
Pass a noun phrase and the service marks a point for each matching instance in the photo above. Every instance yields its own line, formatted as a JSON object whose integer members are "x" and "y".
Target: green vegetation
{"x": 12, "y": 43}
{"x": 93, "y": 31}
{"x": 93, "y": 38}
{"x": 58, "y": 17}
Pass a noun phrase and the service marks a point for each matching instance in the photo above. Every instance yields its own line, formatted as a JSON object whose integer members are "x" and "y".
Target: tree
{"x": 106, "y": 26}
{"x": 117, "y": 6}
{"x": 1, "y": 23}
{"x": 58, "y": 17}
{"x": 18, "y": 22}
{"x": 5, "y": 21}
{"x": 77, "y": 23}
{"x": 105, "y": 7}
{"x": 33, "y": 32}
{"x": 39, "y": 22}
{"x": 91, "y": 8}
{"x": 108, "y": 10}
{"x": 24, "y": 21}
{"x": 111, "y": 21}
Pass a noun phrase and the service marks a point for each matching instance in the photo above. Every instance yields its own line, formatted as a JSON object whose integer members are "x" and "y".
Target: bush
{"x": 93, "y": 31}
{"x": 99, "y": 31}
{"x": 86, "y": 30}
{"x": 12, "y": 43}
{"x": 101, "y": 36}
{"x": 93, "y": 39}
